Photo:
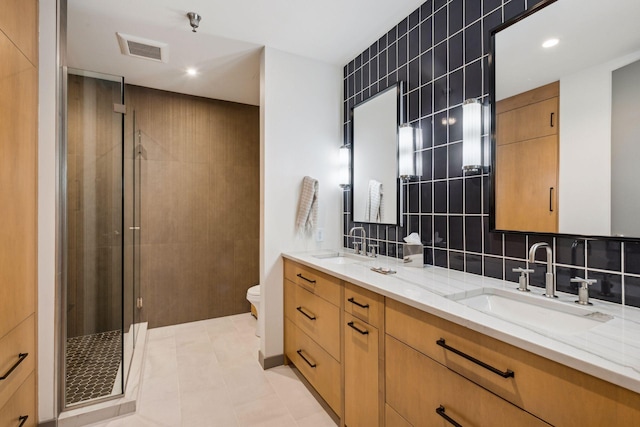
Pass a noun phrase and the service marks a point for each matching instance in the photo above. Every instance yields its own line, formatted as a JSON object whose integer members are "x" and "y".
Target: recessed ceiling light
{"x": 192, "y": 71}
{"x": 550, "y": 43}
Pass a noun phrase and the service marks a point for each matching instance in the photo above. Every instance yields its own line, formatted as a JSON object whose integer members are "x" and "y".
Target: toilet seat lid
{"x": 254, "y": 290}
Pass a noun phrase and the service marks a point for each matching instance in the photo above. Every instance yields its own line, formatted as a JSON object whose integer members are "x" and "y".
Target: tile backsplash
{"x": 441, "y": 53}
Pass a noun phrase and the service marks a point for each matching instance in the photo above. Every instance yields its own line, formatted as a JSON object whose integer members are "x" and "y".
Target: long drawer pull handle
{"x": 23, "y": 419}
{"x": 362, "y": 331}
{"x": 506, "y": 374}
{"x": 353, "y": 301}
{"x": 21, "y": 357}
{"x": 551, "y": 121}
{"x": 550, "y": 199}
{"x": 308, "y": 316}
{"x": 313, "y": 365}
{"x": 440, "y": 411}
{"x": 304, "y": 278}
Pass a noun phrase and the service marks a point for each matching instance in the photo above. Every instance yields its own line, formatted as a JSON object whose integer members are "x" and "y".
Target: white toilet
{"x": 253, "y": 296}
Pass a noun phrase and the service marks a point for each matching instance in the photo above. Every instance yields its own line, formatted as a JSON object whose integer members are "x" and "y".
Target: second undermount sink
{"x": 340, "y": 257}
{"x": 533, "y": 311}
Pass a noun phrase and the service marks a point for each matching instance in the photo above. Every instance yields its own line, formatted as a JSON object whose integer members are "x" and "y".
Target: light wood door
{"x": 365, "y": 305}
{"x": 18, "y": 210}
{"x": 21, "y": 407}
{"x": 319, "y": 319}
{"x": 425, "y": 393}
{"x": 318, "y": 367}
{"x": 527, "y": 161}
{"x": 18, "y": 160}
{"x": 527, "y": 122}
{"x": 393, "y": 419}
{"x": 17, "y": 357}
{"x": 361, "y": 374}
{"x": 321, "y": 284}
{"x": 527, "y": 185}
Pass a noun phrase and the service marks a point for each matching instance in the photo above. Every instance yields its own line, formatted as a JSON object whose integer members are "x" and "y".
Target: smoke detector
{"x": 143, "y": 48}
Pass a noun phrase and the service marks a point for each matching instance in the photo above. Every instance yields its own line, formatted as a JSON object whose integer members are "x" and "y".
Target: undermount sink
{"x": 533, "y": 311}
{"x": 340, "y": 257}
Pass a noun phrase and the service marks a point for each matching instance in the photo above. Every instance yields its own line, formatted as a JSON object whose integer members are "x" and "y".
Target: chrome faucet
{"x": 363, "y": 240}
{"x": 549, "y": 283}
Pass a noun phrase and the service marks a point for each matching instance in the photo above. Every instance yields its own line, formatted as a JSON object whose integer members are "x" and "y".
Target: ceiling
{"x": 226, "y": 48}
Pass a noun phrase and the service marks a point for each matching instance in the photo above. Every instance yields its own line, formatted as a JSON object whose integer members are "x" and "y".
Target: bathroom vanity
{"x": 415, "y": 348}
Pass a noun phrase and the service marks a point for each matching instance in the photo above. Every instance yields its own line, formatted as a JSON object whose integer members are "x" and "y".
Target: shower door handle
{"x": 134, "y": 228}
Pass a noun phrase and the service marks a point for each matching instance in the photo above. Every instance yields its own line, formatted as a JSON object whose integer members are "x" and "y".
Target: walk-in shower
{"x": 102, "y": 159}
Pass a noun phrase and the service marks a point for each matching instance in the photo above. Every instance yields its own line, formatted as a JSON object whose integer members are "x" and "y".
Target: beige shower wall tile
{"x": 246, "y": 252}
{"x": 200, "y": 194}
{"x": 159, "y": 216}
{"x": 190, "y": 191}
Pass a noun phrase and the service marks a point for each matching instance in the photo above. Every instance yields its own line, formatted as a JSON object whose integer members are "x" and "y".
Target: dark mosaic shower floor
{"x": 92, "y": 365}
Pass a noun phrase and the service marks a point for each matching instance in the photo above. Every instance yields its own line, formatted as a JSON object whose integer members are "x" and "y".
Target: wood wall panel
{"x": 200, "y": 205}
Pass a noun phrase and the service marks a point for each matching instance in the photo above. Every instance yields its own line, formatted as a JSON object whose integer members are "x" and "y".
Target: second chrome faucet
{"x": 549, "y": 282}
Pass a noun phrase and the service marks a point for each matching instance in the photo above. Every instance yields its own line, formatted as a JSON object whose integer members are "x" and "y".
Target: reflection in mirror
{"x": 561, "y": 160}
{"x": 375, "y": 157}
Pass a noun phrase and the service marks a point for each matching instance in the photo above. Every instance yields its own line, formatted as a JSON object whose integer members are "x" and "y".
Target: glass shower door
{"x": 93, "y": 341}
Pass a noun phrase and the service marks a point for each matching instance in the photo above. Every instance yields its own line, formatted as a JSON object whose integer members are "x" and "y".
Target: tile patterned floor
{"x": 206, "y": 374}
{"x": 92, "y": 365}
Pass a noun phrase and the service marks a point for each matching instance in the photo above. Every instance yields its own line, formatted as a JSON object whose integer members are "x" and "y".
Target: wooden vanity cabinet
{"x": 363, "y": 357}
{"x": 547, "y": 390}
{"x": 313, "y": 316}
{"x": 398, "y": 366}
{"x": 423, "y": 393}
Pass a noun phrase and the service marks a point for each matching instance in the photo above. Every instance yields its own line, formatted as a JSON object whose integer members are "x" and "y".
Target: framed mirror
{"x": 374, "y": 157}
{"x": 565, "y": 105}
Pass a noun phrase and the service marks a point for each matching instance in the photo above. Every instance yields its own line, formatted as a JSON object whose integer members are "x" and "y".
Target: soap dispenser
{"x": 523, "y": 281}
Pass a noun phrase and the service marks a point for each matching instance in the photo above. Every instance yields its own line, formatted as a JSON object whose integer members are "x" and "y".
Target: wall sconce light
{"x": 406, "y": 152}
{"x": 472, "y": 136}
{"x": 345, "y": 166}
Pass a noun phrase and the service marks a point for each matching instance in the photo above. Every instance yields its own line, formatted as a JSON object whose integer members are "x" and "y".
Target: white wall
{"x": 300, "y": 134}
{"x": 47, "y": 209}
{"x": 625, "y": 151}
{"x": 585, "y": 149}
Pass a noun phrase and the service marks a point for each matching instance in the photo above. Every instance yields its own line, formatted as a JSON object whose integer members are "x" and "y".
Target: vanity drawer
{"x": 314, "y": 281}
{"x": 319, "y": 319}
{"x": 13, "y": 347}
{"x": 364, "y": 304}
{"x": 417, "y": 386}
{"x": 393, "y": 419}
{"x": 556, "y": 393}
{"x": 290, "y": 299}
{"x": 21, "y": 404}
{"x": 318, "y": 367}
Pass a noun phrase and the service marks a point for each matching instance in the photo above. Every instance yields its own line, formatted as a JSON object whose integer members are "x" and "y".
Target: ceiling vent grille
{"x": 143, "y": 48}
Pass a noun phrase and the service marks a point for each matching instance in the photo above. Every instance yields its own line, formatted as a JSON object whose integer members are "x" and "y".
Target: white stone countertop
{"x": 609, "y": 351}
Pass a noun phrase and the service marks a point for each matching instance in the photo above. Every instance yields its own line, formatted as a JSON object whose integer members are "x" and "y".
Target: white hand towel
{"x": 307, "y": 217}
{"x": 373, "y": 209}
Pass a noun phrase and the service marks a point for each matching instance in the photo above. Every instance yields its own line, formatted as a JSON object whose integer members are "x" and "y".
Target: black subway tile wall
{"x": 441, "y": 52}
